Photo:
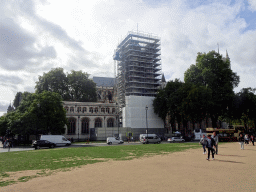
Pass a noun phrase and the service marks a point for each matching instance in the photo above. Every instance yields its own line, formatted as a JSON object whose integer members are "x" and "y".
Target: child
{"x": 203, "y": 143}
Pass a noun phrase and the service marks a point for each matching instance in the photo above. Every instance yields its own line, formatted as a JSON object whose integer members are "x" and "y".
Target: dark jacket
{"x": 210, "y": 143}
{"x": 241, "y": 139}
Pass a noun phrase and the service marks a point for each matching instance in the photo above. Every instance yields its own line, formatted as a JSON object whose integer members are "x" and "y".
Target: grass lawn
{"x": 65, "y": 158}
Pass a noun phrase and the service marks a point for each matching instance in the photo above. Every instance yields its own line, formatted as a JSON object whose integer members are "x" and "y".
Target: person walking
{"x": 9, "y": 145}
{"x": 216, "y": 140}
{"x": 246, "y": 139}
{"x": 210, "y": 143}
{"x": 203, "y": 143}
{"x": 5, "y": 142}
{"x": 252, "y": 139}
{"x": 241, "y": 140}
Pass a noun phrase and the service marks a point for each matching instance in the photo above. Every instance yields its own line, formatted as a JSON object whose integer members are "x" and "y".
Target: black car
{"x": 43, "y": 143}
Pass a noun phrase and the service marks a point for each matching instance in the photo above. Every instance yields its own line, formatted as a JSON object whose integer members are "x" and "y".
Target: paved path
{"x": 14, "y": 149}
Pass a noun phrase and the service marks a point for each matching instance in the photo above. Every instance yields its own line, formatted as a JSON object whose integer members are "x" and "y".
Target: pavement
{"x": 25, "y": 148}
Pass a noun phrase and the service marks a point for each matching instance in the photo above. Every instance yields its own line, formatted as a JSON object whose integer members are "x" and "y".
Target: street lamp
{"x": 78, "y": 126}
{"x": 146, "y": 108}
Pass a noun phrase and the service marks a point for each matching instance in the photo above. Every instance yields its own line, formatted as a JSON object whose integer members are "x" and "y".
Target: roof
{"x": 104, "y": 81}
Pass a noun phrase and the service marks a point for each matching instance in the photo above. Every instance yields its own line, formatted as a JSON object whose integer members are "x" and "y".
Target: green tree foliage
{"x": 244, "y": 107}
{"x": 74, "y": 86}
{"x": 80, "y": 87}
{"x": 214, "y": 72}
{"x": 3, "y": 124}
{"x": 17, "y": 100}
{"x": 37, "y": 113}
{"x": 54, "y": 81}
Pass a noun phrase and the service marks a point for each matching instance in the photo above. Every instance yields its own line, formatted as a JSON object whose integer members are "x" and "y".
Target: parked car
{"x": 149, "y": 138}
{"x": 175, "y": 139}
{"x": 114, "y": 140}
{"x": 43, "y": 143}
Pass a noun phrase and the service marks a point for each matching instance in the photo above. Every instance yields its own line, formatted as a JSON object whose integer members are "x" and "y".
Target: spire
{"x": 227, "y": 54}
{"x": 218, "y": 48}
{"x": 163, "y": 78}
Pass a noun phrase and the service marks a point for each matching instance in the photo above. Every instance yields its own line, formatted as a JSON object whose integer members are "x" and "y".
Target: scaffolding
{"x": 138, "y": 64}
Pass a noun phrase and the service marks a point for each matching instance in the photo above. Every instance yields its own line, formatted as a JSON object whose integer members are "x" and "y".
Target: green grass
{"x": 64, "y": 159}
{"x": 57, "y": 158}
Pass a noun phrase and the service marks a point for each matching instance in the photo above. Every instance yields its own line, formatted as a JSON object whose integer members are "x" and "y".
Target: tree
{"x": 214, "y": 72}
{"x": 54, "y": 81}
{"x": 17, "y": 100}
{"x": 244, "y": 107}
{"x": 81, "y": 88}
{"x": 75, "y": 86}
{"x": 41, "y": 113}
{"x": 3, "y": 124}
{"x": 167, "y": 101}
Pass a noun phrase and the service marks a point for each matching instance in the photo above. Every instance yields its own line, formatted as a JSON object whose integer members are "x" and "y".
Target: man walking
{"x": 216, "y": 140}
{"x": 209, "y": 144}
{"x": 252, "y": 139}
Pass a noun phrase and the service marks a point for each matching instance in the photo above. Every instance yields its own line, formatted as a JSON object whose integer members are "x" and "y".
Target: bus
{"x": 230, "y": 134}
{"x": 198, "y": 134}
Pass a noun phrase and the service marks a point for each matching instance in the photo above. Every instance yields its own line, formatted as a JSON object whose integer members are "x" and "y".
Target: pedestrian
{"x": 203, "y": 143}
{"x": 5, "y": 142}
{"x": 210, "y": 143}
{"x": 246, "y": 139}
{"x": 9, "y": 145}
{"x": 216, "y": 140}
{"x": 252, "y": 139}
{"x": 241, "y": 140}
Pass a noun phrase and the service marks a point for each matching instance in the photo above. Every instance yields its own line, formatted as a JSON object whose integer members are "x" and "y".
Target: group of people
{"x": 211, "y": 143}
{"x": 7, "y": 143}
{"x": 245, "y": 140}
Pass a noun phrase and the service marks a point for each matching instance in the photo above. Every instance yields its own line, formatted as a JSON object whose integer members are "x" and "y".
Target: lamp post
{"x": 146, "y": 108}
{"x": 78, "y": 127}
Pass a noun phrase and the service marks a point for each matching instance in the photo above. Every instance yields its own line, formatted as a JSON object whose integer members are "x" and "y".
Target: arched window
{"x": 85, "y": 126}
{"x": 107, "y": 110}
{"x": 72, "y": 109}
{"x": 78, "y": 109}
{"x": 96, "y": 109}
{"x": 103, "y": 110}
{"x": 72, "y": 126}
{"x": 110, "y": 122}
{"x": 84, "y": 109}
{"x": 98, "y": 122}
{"x": 113, "y": 110}
{"x": 91, "y": 109}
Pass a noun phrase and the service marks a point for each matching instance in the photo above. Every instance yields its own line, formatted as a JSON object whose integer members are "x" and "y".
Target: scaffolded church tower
{"x": 138, "y": 64}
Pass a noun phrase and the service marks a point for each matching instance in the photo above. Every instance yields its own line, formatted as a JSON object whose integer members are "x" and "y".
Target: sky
{"x": 38, "y": 35}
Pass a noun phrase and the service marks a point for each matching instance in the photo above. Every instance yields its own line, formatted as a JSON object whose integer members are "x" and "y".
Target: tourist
{"x": 210, "y": 143}
{"x": 246, "y": 139}
{"x": 216, "y": 140}
{"x": 241, "y": 140}
{"x": 252, "y": 139}
{"x": 203, "y": 143}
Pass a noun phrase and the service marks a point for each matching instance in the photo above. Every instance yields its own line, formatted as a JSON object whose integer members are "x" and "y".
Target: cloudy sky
{"x": 37, "y": 35}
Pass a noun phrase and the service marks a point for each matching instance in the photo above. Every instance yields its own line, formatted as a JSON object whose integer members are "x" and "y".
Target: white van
{"x": 114, "y": 140}
{"x": 59, "y": 140}
{"x": 149, "y": 138}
